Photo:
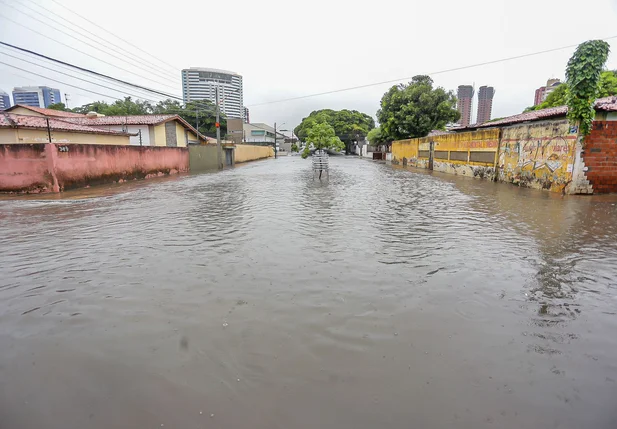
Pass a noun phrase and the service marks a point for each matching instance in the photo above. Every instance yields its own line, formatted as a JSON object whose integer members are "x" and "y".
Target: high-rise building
{"x": 201, "y": 84}
{"x": 485, "y": 104}
{"x": 5, "y": 100}
{"x": 247, "y": 119}
{"x": 36, "y": 96}
{"x": 464, "y": 95}
{"x": 544, "y": 91}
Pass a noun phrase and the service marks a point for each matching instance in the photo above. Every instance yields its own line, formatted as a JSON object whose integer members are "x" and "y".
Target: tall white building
{"x": 201, "y": 83}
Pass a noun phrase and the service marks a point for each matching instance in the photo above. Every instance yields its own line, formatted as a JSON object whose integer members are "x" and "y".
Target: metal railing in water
{"x": 320, "y": 163}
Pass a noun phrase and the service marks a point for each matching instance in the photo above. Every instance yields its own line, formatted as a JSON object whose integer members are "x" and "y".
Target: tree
{"x": 583, "y": 78}
{"x": 58, "y": 106}
{"x": 322, "y": 136}
{"x": 607, "y": 86}
{"x": 348, "y": 125}
{"x": 200, "y": 112}
{"x": 414, "y": 109}
{"x": 294, "y": 147}
{"x": 375, "y": 137}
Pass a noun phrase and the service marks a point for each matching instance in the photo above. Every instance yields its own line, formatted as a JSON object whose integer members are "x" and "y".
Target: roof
{"x": 607, "y": 104}
{"x": 438, "y": 133}
{"x": 212, "y": 70}
{"x": 12, "y": 120}
{"x": 131, "y": 120}
{"x": 47, "y": 112}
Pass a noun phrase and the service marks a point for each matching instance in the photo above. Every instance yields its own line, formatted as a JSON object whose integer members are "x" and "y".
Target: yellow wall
{"x": 405, "y": 149}
{"x": 538, "y": 155}
{"x": 41, "y": 136}
{"x": 159, "y": 136}
{"x": 8, "y": 135}
{"x": 181, "y": 133}
{"x": 245, "y": 152}
{"x": 22, "y": 111}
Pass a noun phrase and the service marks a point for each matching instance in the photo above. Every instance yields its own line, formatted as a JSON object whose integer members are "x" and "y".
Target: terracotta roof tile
{"x": 123, "y": 120}
{"x": 11, "y": 120}
{"x": 47, "y": 112}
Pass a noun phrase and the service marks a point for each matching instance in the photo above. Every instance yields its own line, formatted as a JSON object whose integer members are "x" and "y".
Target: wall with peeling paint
{"x": 56, "y": 167}
{"x": 538, "y": 155}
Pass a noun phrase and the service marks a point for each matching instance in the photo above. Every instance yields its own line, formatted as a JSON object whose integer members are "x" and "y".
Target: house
{"x": 145, "y": 130}
{"x": 16, "y": 128}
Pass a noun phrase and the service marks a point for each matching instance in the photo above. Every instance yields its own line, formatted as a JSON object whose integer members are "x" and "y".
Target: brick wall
{"x": 600, "y": 156}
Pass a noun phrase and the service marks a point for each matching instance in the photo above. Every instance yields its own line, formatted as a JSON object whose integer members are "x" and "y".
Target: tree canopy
{"x": 202, "y": 111}
{"x": 58, "y": 106}
{"x": 375, "y": 137}
{"x": 348, "y": 125}
{"x": 607, "y": 86}
{"x": 414, "y": 109}
{"x": 322, "y": 136}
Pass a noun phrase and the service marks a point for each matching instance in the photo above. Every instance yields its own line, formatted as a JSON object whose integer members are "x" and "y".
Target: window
{"x": 257, "y": 132}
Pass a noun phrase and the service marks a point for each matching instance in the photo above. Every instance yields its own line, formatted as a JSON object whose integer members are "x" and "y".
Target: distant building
{"x": 36, "y": 96}
{"x": 485, "y": 104}
{"x": 464, "y": 95}
{"x": 261, "y": 133}
{"x": 544, "y": 91}
{"x": 201, "y": 84}
{"x": 5, "y": 100}
{"x": 246, "y": 117}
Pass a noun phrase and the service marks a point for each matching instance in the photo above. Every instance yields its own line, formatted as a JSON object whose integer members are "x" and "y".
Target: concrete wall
{"x": 21, "y": 135}
{"x": 57, "y": 167}
{"x": 203, "y": 158}
{"x": 538, "y": 155}
{"x": 132, "y": 129}
{"x": 245, "y": 152}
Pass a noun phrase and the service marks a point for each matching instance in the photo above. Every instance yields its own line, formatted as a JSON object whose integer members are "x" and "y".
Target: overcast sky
{"x": 291, "y": 49}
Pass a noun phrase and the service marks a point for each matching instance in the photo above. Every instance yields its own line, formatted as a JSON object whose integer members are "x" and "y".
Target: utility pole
{"x": 275, "y": 140}
{"x": 218, "y": 131}
{"x": 48, "y": 130}
{"x": 66, "y": 98}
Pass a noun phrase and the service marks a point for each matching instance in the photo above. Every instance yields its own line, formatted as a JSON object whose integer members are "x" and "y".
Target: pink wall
{"x": 56, "y": 167}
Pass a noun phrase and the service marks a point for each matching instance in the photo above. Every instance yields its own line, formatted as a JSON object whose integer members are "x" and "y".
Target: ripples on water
{"x": 382, "y": 297}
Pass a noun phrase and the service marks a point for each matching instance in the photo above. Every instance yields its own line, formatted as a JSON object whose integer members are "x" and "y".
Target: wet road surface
{"x": 260, "y": 298}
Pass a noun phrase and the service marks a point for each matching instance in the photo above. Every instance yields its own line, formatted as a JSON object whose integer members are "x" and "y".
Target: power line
{"x": 77, "y": 50}
{"x": 75, "y": 77}
{"x": 429, "y": 74}
{"x": 116, "y": 36}
{"x": 79, "y": 78}
{"x": 99, "y": 40}
{"x": 154, "y": 91}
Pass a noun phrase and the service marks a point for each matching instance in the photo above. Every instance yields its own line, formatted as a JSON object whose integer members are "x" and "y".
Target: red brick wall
{"x": 600, "y": 157}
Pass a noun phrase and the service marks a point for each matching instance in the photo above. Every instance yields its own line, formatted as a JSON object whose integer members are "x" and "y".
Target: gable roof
{"x": 12, "y": 120}
{"x": 607, "y": 104}
{"x": 132, "y": 120}
{"x": 46, "y": 112}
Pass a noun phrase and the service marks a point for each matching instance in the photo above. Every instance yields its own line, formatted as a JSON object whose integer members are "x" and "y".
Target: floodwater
{"x": 261, "y": 298}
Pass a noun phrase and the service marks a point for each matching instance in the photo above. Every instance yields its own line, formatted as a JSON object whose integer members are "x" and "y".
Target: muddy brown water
{"x": 260, "y": 298}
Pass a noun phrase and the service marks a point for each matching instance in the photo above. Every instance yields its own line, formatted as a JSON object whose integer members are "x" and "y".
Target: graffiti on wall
{"x": 551, "y": 153}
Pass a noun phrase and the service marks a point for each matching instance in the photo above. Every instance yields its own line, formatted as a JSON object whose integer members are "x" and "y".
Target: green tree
{"x": 322, "y": 136}
{"x": 583, "y": 78}
{"x": 58, "y": 106}
{"x": 202, "y": 112}
{"x": 294, "y": 147}
{"x": 607, "y": 86}
{"x": 375, "y": 137}
{"x": 97, "y": 106}
{"x": 348, "y": 125}
{"x": 414, "y": 109}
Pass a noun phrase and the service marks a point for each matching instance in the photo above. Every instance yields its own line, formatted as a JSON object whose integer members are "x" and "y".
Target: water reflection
{"x": 380, "y": 297}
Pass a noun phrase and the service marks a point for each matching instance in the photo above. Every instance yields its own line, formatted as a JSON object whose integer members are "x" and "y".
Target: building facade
{"x": 465, "y": 96}
{"x": 544, "y": 91}
{"x": 5, "y": 100}
{"x": 485, "y": 104}
{"x": 202, "y": 83}
{"x": 36, "y": 96}
{"x": 261, "y": 133}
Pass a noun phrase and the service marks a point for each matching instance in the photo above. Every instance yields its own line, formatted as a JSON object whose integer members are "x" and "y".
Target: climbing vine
{"x": 582, "y": 75}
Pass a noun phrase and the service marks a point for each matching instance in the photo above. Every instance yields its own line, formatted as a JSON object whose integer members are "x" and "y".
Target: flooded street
{"x": 260, "y": 298}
